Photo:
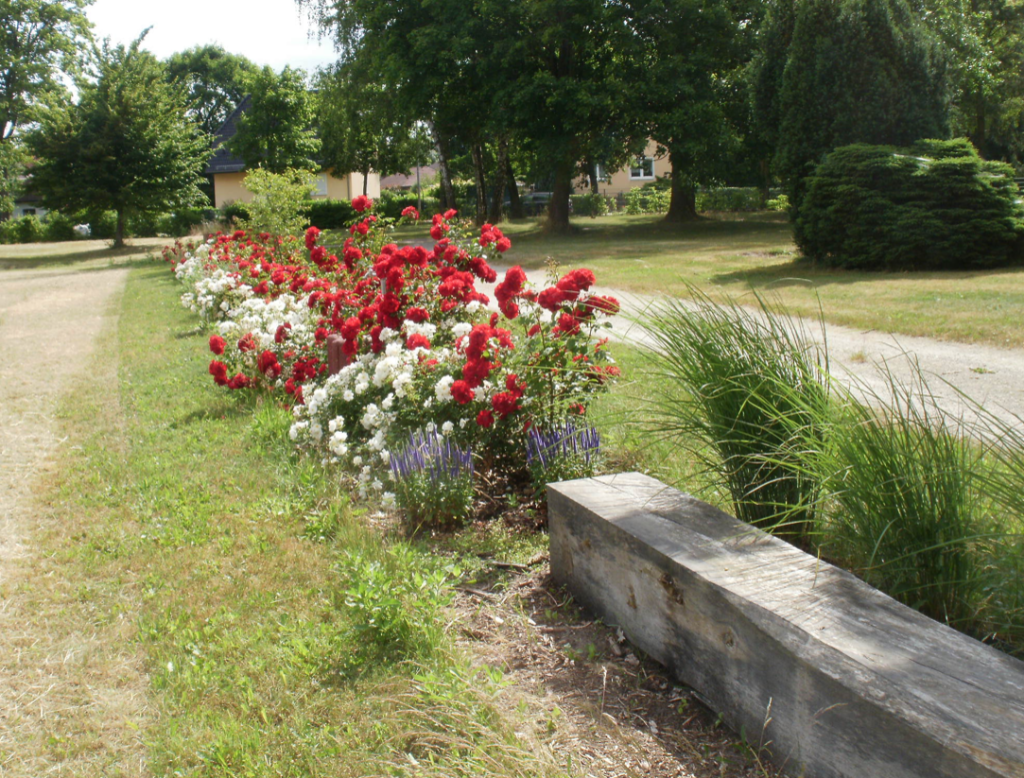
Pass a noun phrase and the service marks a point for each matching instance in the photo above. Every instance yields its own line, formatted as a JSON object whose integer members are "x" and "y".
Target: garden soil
{"x": 66, "y": 694}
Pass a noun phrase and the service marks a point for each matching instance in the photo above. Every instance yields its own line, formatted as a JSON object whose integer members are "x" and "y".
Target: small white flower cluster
{"x": 263, "y": 319}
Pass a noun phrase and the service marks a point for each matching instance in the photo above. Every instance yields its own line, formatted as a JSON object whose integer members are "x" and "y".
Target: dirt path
{"x": 52, "y": 704}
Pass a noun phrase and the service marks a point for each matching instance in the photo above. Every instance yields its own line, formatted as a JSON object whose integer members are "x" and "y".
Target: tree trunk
{"x": 766, "y": 181}
{"x": 592, "y": 173}
{"x": 515, "y": 205}
{"x": 119, "y": 229}
{"x": 447, "y": 191}
{"x": 366, "y": 182}
{"x": 979, "y": 135}
{"x": 481, "y": 184}
{"x": 558, "y": 208}
{"x": 683, "y": 205}
{"x": 500, "y": 177}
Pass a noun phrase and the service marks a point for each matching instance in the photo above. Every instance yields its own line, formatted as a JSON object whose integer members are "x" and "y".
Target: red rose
{"x": 417, "y": 315}
{"x": 503, "y": 245}
{"x": 246, "y": 343}
{"x": 411, "y": 213}
{"x": 362, "y": 203}
{"x": 219, "y": 371}
{"x": 485, "y": 419}
{"x": 505, "y": 403}
{"x": 268, "y": 364}
{"x": 217, "y": 344}
{"x": 417, "y": 340}
{"x": 462, "y": 392}
{"x": 311, "y": 235}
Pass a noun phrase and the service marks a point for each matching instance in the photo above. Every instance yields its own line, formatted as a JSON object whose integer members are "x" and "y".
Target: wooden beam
{"x": 837, "y": 678}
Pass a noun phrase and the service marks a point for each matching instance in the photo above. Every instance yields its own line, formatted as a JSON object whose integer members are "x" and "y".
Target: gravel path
{"x": 65, "y": 691}
{"x": 992, "y": 377}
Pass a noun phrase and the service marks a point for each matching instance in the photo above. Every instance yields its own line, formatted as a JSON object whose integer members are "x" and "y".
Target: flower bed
{"x": 425, "y": 354}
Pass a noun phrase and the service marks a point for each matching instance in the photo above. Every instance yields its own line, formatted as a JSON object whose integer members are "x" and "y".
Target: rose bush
{"x": 423, "y": 350}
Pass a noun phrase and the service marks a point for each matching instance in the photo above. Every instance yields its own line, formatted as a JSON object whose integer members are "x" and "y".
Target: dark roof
{"x": 223, "y": 161}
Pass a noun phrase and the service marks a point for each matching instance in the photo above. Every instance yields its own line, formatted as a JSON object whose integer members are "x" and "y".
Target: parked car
{"x": 535, "y": 203}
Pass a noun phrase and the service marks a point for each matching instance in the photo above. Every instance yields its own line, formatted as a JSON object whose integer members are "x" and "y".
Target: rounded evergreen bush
{"x": 936, "y": 205}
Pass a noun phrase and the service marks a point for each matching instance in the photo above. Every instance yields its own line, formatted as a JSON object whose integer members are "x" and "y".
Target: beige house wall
{"x": 621, "y": 181}
{"x": 228, "y": 187}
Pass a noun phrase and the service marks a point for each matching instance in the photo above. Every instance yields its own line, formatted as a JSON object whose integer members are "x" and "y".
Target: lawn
{"x": 735, "y": 255}
{"x": 84, "y": 254}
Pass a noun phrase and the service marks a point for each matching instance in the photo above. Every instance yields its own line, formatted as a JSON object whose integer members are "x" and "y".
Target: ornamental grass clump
{"x": 753, "y": 406}
{"x": 907, "y": 508}
{"x": 433, "y": 481}
{"x": 562, "y": 454}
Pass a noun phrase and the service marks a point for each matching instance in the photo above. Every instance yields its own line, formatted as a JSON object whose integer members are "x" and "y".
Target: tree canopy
{"x": 126, "y": 146}
{"x": 214, "y": 80}
{"x": 853, "y": 71}
{"x": 277, "y": 131}
{"x": 39, "y": 41}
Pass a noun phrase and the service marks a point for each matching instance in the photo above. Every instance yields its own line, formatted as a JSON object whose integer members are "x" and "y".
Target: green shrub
{"x": 392, "y": 607}
{"x": 181, "y": 223}
{"x": 330, "y": 214}
{"x": 234, "y": 212}
{"x": 731, "y": 198}
{"x": 280, "y": 201}
{"x": 936, "y": 205}
{"x": 780, "y": 203}
{"x": 392, "y": 203}
{"x": 144, "y": 225}
{"x": 58, "y": 227}
{"x": 592, "y": 205}
{"x": 103, "y": 225}
{"x": 647, "y": 199}
{"x": 26, "y": 229}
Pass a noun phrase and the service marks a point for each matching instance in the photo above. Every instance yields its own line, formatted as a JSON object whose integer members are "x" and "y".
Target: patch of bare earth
{"x": 586, "y": 692}
{"x": 71, "y": 690}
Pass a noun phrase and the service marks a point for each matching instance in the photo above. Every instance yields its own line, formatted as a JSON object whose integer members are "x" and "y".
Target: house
{"x": 28, "y": 204}
{"x": 640, "y": 171}
{"x": 416, "y": 176}
{"x": 227, "y": 172}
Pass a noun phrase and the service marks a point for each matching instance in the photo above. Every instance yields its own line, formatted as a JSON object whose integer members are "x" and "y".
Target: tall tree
{"x": 690, "y": 50}
{"x": 127, "y": 145}
{"x": 277, "y": 131}
{"x": 214, "y": 80}
{"x": 985, "y": 44}
{"x": 855, "y": 71}
{"x": 570, "y": 86}
{"x": 39, "y": 41}
{"x": 364, "y": 127}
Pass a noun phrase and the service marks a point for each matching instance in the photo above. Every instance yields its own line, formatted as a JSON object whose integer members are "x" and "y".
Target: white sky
{"x": 269, "y": 32}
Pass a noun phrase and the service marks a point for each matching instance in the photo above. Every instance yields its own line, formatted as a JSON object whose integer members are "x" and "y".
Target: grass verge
{"x": 733, "y": 255}
{"x": 275, "y": 632}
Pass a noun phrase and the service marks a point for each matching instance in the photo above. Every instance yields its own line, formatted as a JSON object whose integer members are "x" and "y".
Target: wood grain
{"x": 851, "y": 682}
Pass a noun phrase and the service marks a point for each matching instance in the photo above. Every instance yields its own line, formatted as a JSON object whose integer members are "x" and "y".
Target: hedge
{"x": 936, "y": 205}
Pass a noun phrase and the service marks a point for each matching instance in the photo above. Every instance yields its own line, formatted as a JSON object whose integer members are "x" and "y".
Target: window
{"x": 320, "y": 189}
{"x": 29, "y": 212}
{"x": 644, "y": 168}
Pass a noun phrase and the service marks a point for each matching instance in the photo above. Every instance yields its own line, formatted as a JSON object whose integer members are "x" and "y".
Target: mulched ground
{"x": 587, "y": 691}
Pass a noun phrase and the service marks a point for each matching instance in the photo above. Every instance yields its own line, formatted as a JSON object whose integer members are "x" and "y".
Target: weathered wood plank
{"x": 857, "y": 685}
